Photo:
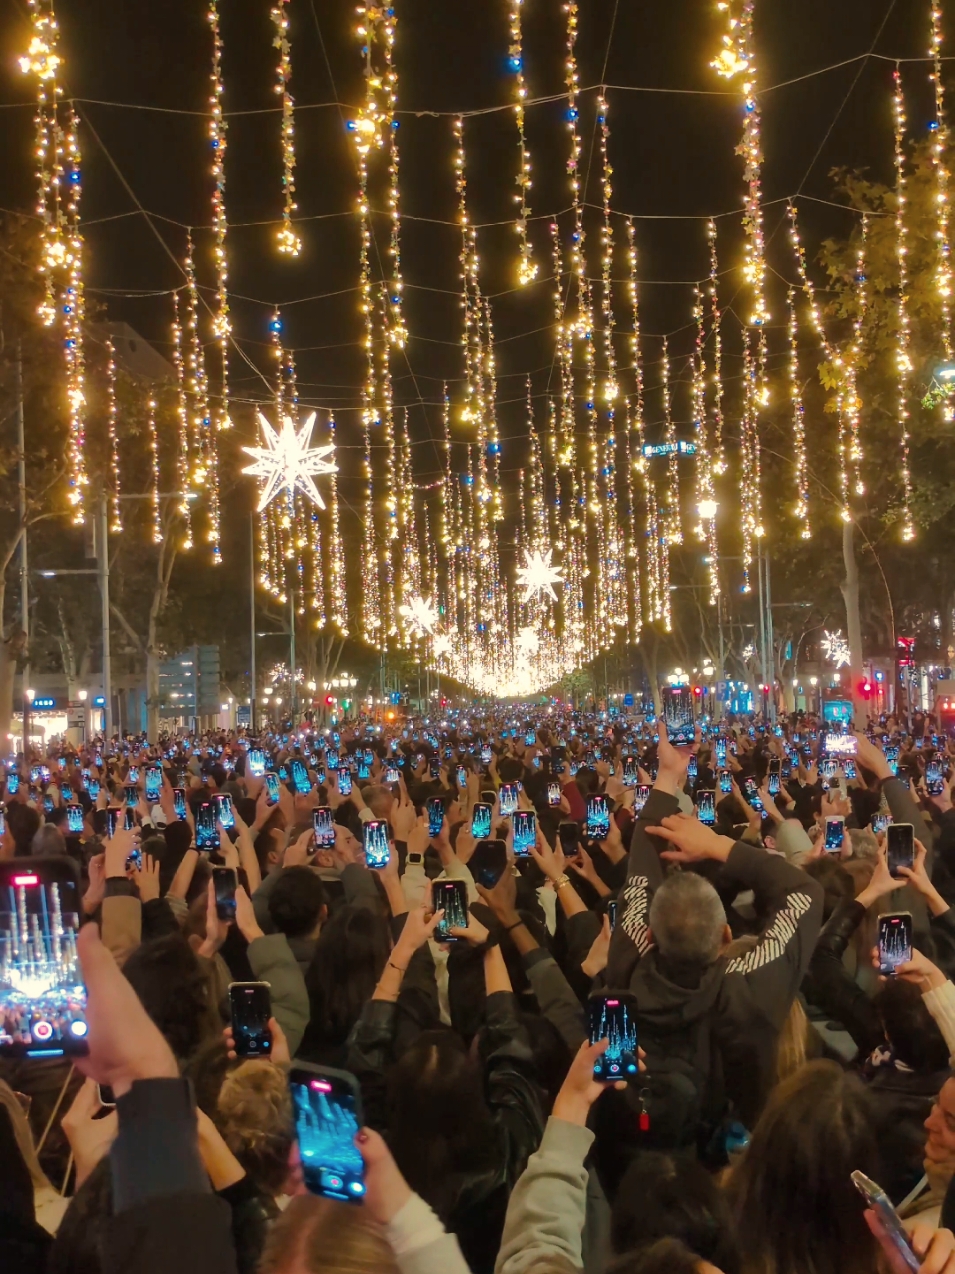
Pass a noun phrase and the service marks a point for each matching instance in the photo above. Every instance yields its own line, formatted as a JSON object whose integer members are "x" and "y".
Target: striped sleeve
{"x": 636, "y": 894}
{"x": 773, "y": 943}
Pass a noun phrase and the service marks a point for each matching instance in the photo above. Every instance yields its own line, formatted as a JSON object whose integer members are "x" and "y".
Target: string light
{"x": 572, "y": 81}
{"x": 74, "y": 312}
{"x": 799, "y": 425}
{"x": 646, "y": 598}
{"x": 116, "y": 522}
{"x": 222, "y": 325}
{"x": 943, "y": 269}
{"x": 154, "y": 470}
{"x": 716, "y": 322}
{"x": 674, "y": 529}
{"x": 287, "y": 240}
{"x": 903, "y": 354}
{"x": 527, "y": 271}
{"x": 852, "y": 401}
{"x": 336, "y": 551}
{"x": 747, "y": 446}
{"x": 706, "y": 506}
{"x": 371, "y": 588}
{"x": 183, "y": 470}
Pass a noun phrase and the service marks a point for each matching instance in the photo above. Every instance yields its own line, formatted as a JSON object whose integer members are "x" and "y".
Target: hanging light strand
{"x": 397, "y": 330}
{"x": 943, "y": 268}
{"x": 222, "y": 324}
{"x": 903, "y": 347}
{"x": 646, "y": 595}
{"x": 572, "y": 82}
{"x": 852, "y": 401}
{"x": 42, "y": 60}
{"x": 116, "y": 522}
{"x": 338, "y": 610}
{"x": 800, "y": 459}
{"x": 674, "y": 530}
{"x": 527, "y": 269}
{"x": 287, "y": 240}
{"x": 716, "y": 320}
{"x": 154, "y": 475}
{"x": 706, "y": 507}
{"x": 182, "y": 415}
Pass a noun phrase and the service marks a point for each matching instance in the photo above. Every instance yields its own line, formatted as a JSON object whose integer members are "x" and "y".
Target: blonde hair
{"x": 320, "y": 1236}
{"x": 21, "y": 1130}
{"x": 792, "y": 1047}
{"x": 254, "y": 1115}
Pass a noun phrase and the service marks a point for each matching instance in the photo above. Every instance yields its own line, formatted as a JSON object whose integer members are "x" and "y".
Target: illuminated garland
{"x": 527, "y": 271}
{"x": 674, "y": 528}
{"x": 183, "y": 471}
{"x": 222, "y": 325}
{"x": 799, "y": 425}
{"x": 43, "y": 61}
{"x": 572, "y": 81}
{"x": 116, "y": 523}
{"x": 204, "y": 472}
{"x": 338, "y": 611}
{"x": 154, "y": 471}
{"x": 371, "y": 587}
{"x": 943, "y": 269}
{"x": 716, "y": 322}
{"x": 903, "y": 352}
{"x": 748, "y": 445}
{"x": 853, "y": 403}
{"x": 389, "y": 546}
{"x": 288, "y": 241}
{"x": 646, "y": 599}
{"x": 706, "y": 506}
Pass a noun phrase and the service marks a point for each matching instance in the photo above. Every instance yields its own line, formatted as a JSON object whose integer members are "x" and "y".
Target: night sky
{"x": 672, "y": 151}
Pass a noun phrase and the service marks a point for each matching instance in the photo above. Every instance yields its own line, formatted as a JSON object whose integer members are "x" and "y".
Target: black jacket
{"x": 903, "y": 1101}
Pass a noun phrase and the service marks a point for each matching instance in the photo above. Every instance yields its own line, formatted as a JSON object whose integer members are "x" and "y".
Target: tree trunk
{"x": 152, "y": 694}
{"x": 850, "y": 595}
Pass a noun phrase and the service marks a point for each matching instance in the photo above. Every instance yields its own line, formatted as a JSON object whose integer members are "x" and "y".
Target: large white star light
{"x": 537, "y": 575}
{"x": 528, "y": 642}
{"x": 421, "y": 614}
{"x": 442, "y": 645}
{"x": 288, "y": 463}
{"x": 836, "y": 648}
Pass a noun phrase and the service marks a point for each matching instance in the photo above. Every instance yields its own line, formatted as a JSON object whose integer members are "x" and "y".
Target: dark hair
{"x": 350, "y": 953}
{"x": 76, "y": 1247}
{"x": 174, "y": 991}
{"x": 663, "y": 1197}
{"x": 910, "y": 1028}
{"x": 817, "y": 1128}
{"x": 23, "y": 822}
{"x": 666, "y": 1256}
{"x": 296, "y": 902}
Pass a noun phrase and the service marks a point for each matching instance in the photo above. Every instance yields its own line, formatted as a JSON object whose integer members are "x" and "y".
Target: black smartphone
{"x": 525, "y": 832}
{"x": 488, "y": 862}
{"x": 224, "y": 881}
{"x": 630, "y": 776}
{"x": 300, "y": 780}
{"x": 344, "y": 780}
{"x": 895, "y": 941}
{"x": 74, "y": 819}
{"x": 374, "y": 836}
{"x": 489, "y": 797}
{"x": 641, "y": 796}
{"x": 272, "y": 788}
{"x": 66, "y": 792}
{"x": 721, "y": 750}
{"x": 726, "y": 781}
{"x": 481, "y": 821}
{"x": 460, "y": 776}
{"x": 153, "y": 783}
{"x": 323, "y": 825}
{"x": 207, "y": 834}
{"x": 613, "y": 1018}
{"x": 706, "y": 805}
{"x": 508, "y": 799}
{"x": 42, "y": 997}
{"x": 131, "y": 796}
{"x": 224, "y": 809}
{"x": 13, "y": 783}
{"x": 612, "y": 913}
{"x": 256, "y": 763}
{"x": 900, "y": 847}
{"x": 112, "y": 822}
{"x": 568, "y": 834}
{"x": 835, "y": 835}
{"x": 678, "y": 715}
{"x": 134, "y": 859}
{"x": 934, "y": 783}
{"x": 751, "y": 792}
{"x": 553, "y": 795}
{"x": 132, "y": 775}
{"x": 598, "y": 817}
{"x": 452, "y": 897}
{"x": 250, "y": 1004}
{"x": 106, "y": 1096}
{"x": 435, "y": 808}
{"x": 327, "y": 1109}
{"x": 179, "y": 803}
{"x": 772, "y": 779}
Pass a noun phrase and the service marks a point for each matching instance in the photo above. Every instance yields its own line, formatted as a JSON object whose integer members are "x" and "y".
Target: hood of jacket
{"x": 670, "y": 996}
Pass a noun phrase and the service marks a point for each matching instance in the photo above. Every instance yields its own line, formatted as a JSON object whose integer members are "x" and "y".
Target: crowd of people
{"x": 728, "y": 888}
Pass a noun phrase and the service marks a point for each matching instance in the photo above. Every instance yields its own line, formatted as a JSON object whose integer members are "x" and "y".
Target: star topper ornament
{"x": 421, "y": 615}
{"x": 537, "y": 575}
{"x": 288, "y": 463}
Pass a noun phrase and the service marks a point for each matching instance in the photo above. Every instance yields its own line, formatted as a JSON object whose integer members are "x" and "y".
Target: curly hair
{"x": 254, "y": 1115}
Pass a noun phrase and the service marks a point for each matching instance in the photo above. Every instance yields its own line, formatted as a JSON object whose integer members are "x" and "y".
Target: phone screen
{"x": 678, "y": 715}
{"x": 374, "y": 835}
{"x": 706, "y": 806}
{"x": 344, "y": 780}
{"x": 835, "y": 835}
{"x": 323, "y": 826}
{"x": 131, "y": 796}
{"x": 207, "y": 835}
{"x": 481, "y": 821}
{"x": 153, "y": 783}
{"x": 569, "y": 836}
{"x": 66, "y": 792}
{"x": 256, "y": 763}
{"x": 553, "y": 794}
{"x": 251, "y": 1007}
{"x": 900, "y": 846}
{"x": 630, "y": 776}
{"x": 179, "y": 803}
{"x": 327, "y": 1108}
{"x": 641, "y": 796}
{"x": 772, "y": 783}
{"x": 612, "y": 913}
{"x": 272, "y": 787}
{"x": 224, "y": 881}
{"x": 435, "y": 809}
{"x": 74, "y": 819}
{"x": 508, "y": 799}
{"x": 849, "y": 768}
{"x": 879, "y": 1201}
{"x": 133, "y": 775}
{"x": 933, "y": 779}
{"x": 612, "y": 1018}
{"x": 112, "y": 822}
{"x": 892, "y": 756}
{"x": 525, "y": 832}
{"x": 895, "y": 941}
{"x": 488, "y": 862}
{"x": 13, "y": 783}
{"x": 224, "y": 809}
{"x": 726, "y": 781}
{"x": 300, "y": 776}
{"x": 452, "y": 896}
{"x": 598, "y": 817}
{"x": 751, "y": 792}
{"x": 721, "y": 751}
{"x": 42, "y": 997}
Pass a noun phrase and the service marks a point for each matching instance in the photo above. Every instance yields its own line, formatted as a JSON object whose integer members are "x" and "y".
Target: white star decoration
{"x": 836, "y": 648}
{"x": 421, "y": 615}
{"x": 288, "y": 463}
{"x": 442, "y": 645}
{"x": 528, "y": 641}
{"x": 537, "y": 575}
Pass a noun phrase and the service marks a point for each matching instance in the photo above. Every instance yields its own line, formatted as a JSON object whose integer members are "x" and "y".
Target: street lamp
{"x": 82, "y": 695}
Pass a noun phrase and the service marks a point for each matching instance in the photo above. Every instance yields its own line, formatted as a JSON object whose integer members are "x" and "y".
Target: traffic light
{"x": 865, "y": 687}
{"x": 697, "y": 690}
{"x": 330, "y": 701}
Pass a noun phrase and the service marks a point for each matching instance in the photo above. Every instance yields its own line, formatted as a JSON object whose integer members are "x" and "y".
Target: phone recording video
{"x": 13, "y": 783}
{"x": 895, "y": 941}
{"x": 299, "y": 777}
{"x": 451, "y": 896}
{"x": 374, "y": 836}
{"x": 934, "y": 782}
{"x": 344, "y": 780}
{"x": 751, "y": 793}
{"x": 74, "y": 819}
{"x": 153, "y": 783}
{"x": 481, "y": 821}
{"x": 272, "y": 788}
{"x": 706, "y": 805}
{"x": 525, "y": 832}
{"x": 630, "y": 775}
{"x": 508, "y": 799}
{"x": 224, "y": 809}
{"x": 250, "y": 1004}
{"x": 112, "y": 822}
{"x": 327, "y": 1110}
{"x": 224, "y": 881}
{"x": 678, "y": 715}
{"x": 598, "y": 817}
{"x": 841, "y": 744}
{"x": 772, "y": 777}
{"x": 568, "y": 835}
{"x": 256, "y": 763}
{"x": 42, "y": 997}
{"x": 641, "y": 796}
{"x": 131, "y": 796}
{"x": 900, "y": 847}
{"x": 613, "y": 1018}
{"x": 323, "y": 826}
{"x": 179, "y": 803}
{"x": 835, "y": 835}
{"x": 612, "y": 913}
{"x": 488, "y": 862}
{"x": 435, "y": 808}
{"x": 207, "y": 834}
{"x": 553, "y": 795}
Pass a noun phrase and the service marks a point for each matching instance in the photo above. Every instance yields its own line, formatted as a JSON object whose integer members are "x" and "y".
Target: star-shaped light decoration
{"x": 288, "y": 463}
{"x": 442, "y": 645}
{"x": 421, "y": 614}
{"x": 537, "y": 575}
{"x": 836, "y": 648}
{"x": 528, "y": 642}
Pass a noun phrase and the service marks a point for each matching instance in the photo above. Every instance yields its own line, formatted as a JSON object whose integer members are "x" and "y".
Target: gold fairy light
{"x": 853, "y": 358}
{"x": 222, "y": 324}
{"x": 572, "y": 82}
{"x": 371, "y": 588}
{"x": 287, "y": 240}
{"x": 706, "y": 507}
{"x": 154, "y": 476}
{"x": 903, "y": 346}
{"x": 43, "y": 61}
{"x": 606, "y": 265}
{"x": 566, "y": 449}
{"x": 674, "y": 530}
{"x": 385, "y": 20}
{"x": 116, "y": 522}
{"x": 74, "y": 314}
{"x": 338, "y": 609}
{"x": 316, "y": 601}
{"x": 183, "y": 469}
{"x": 645, "y": 597}
{"x": 799, "y": 425}
{"x": 943, "y": 268}
{"x": 748, "y": 445}
{"x": 200, "y": 421}
{"x": 527, "y": 270}
{"x": 716, "y": 320}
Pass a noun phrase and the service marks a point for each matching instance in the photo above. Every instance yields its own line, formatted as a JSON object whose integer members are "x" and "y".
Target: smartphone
{"x": 224, "y": 810}
{"x": 481, "y": 820}
{"x": 153, "y": 783}
{"x": 323, "y": 826}
{"x": 452, "y": 897}
{"x": 934, "y": 783}
{"x": 678, "y": 715}
{"x": 34, "y": 774}
{"x": 568, "y": 835}
{"x": 630, "y": 776}
{"x": 374, "y": 837}
{"x": 250, "y": 1004}
{"x": 344, "y": 780}
{"x": 892, "y": 756}
{"x": 525, "y": 832}
{"x": 112, "y": 822}
{"x": 461, "y": 776}
{"x": 42, "y": 997}
{"x": 48, "y": 806}
{"x": 327, "y": 1110}
{"x": 488, "y": 862}
{"x": 66, "y": 792}
{"x": 435, "y": 808}
{"x": 835, "y": 834}
{"x": 300, "y": 779}
{"x": 725, "y": 781}
{"x": 74, "y": 819}
{"x": 612, "y": 913}
{"x": 900, "y": 847}
{"x": 332, "y": 760}
{"x": 879, "y": 1201}
{"x": 598, "y": 817}
{"x": 508, "y": 799}
{"x": 706, "y": 805}
{"x": 207, "y": 834}
{"x": 692, "y": 767}
{"x": 272, "y": 788}
{"x": 849, "y": 768}
{"x": 364, "y": 769}
{"x": 613, "y": 1018}
{"x": 131, "y": 796}
{"x": 392, "y": 774}
{"x": 751, "y": 792}
{"x": 224, "y": 881}
{"x": 13, "y": 783}
{"x": 132, "y": 775}
{"x": 256, "y": 763}
{"x": 486, "y": 755}
{"x": 880, "y": 822}
{"x": 134, "y": 859}
{"x": 772, "y": 778}
{"x": 721, "y": 750}
{"x": 895, "y": 941}
{"x": 553, "y": 794}
{"x": 641, "y": 796}
{"x": 106, "y": 1096}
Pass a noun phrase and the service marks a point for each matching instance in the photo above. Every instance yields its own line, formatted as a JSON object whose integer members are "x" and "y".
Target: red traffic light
{"x": 330, "y": 701}
{"x": 865, "y": 687}
{"x": 697, "y": 690}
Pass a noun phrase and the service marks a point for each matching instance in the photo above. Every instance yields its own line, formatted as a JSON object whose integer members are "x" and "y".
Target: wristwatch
{"x": 415, "y": 860}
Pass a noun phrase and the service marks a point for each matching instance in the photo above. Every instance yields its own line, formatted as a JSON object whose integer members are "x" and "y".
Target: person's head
{"x": 817, "y": 1128}
{"x": 379, "y": 800}
{"x": 23, "y": 823}
{"x": 76, "y": 1247}
{"x": 351, "y": 951}
{"x": 48, "y": 840}
{"x": 662, "y": 1197}
{"x": 910, "y": 1028}
{"x": 321, "y": 1236}
{"x": 270, "y": 842}
{"x": 297, "y": 904}
{"x": 940, "y": 1126}
{"x": 688, "y": 921}
{"x": 254, "y": 1115}
{"x": 666, "y": 1256}
{"x": 173, "y": 989}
